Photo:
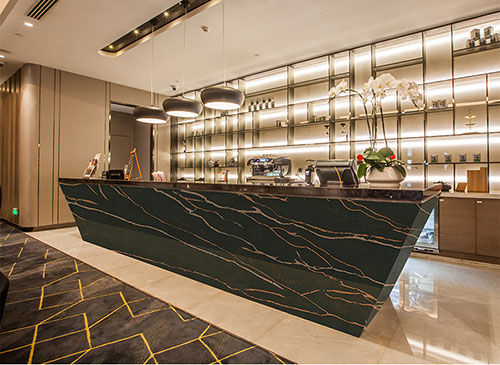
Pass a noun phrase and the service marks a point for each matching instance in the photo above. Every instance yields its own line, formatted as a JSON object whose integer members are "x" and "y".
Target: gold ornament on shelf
{"x": 469, "y": 118}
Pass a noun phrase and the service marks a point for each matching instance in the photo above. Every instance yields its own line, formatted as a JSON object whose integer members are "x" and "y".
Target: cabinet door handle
{"x": 441, "y": 200}
{"x": 479, "y": 201}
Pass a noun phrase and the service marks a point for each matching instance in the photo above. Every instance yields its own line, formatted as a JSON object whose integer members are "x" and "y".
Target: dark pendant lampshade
{"x": 182, "y": 107}
{"x": 222, "y": 98}
{"x": 150, "y": 114}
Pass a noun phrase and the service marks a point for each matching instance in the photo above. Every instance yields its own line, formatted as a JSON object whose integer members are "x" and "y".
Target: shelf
{"x": 466, "y": 51}
{"x": 316, "y": 101}
{"x": 309, "y": 82}
{"x": 439, "y": 110}
{"x": 390, "y": 66}
{"x": 270, "y": 110}
{"x": 220, "y": 167}
{"x": 453, "y": 163}
{"x": 268, "y": 129}
{"x": 326, "y": 122}
{"x": 341, "y": 76}
{"x": 267, "y": 91}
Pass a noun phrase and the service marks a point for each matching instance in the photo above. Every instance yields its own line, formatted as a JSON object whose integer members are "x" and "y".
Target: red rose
{"x": 393, "y": 157}
{"x": 359, "y": 157}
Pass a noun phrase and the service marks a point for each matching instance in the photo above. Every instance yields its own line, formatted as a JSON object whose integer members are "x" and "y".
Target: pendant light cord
{"x": 184, "y": 51}
{"x": 223, "y": 44}
{"x": 152, "y": 62}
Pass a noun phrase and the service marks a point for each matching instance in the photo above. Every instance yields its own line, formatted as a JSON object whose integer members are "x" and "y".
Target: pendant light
{"x": 222, "y": 97}
{"x": 181, "y": 106}
{"x": 151, "y": 114}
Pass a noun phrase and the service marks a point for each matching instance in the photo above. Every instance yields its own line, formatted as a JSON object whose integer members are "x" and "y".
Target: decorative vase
{"x": 387, "y": 178}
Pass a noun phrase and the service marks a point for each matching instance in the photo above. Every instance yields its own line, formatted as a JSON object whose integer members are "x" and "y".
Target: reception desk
{"x": 329, "y": 255}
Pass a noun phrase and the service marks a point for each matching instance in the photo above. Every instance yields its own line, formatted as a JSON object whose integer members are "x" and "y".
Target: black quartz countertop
{"x": 361, "y": 193}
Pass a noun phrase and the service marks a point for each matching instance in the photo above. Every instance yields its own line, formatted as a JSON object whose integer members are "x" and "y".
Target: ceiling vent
{"x": 40, "y": 8}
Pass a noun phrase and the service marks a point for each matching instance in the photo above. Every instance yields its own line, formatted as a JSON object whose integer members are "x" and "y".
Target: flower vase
{"x": 388, "y": 178}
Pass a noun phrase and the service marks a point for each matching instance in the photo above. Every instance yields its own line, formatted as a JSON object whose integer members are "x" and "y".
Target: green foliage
{"x": 380, "y": 159}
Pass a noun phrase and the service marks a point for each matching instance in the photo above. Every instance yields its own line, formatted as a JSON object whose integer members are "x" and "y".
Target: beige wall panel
{"x": 28, "y": 140}
{"x": 82, "y": 128}
{"x": 9, "y": 146}
{"x": 163, "y": 149}
{"x": 45, "y": 177}
{"x": 55, "y": 163}
{"x": 128, "y": 95}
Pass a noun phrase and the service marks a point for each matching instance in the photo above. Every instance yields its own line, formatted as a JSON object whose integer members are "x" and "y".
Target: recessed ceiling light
{"x": 165, "y": 13}
{"x": 111, "y": 46}
{"x": 2, "y": 56}
{"x": 28, "y": 24}
{"x": 136, "y": 31}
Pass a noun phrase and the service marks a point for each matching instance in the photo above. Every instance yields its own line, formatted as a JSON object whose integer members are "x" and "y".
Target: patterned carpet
{"x": 60, "y": 310}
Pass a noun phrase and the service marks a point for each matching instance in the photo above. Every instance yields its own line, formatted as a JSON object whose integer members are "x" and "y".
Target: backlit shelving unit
{"x": 305, "y": 125}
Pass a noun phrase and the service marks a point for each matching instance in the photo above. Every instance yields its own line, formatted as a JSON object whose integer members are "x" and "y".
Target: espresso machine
{"x": 269, "y": 169}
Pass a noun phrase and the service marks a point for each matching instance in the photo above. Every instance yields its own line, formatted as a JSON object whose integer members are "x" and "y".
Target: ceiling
{"x": 260, "y": 34}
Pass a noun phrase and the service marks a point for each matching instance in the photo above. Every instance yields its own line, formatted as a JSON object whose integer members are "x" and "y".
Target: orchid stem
{"x": 383, "y": 125}
{"x": 366, "y": 114}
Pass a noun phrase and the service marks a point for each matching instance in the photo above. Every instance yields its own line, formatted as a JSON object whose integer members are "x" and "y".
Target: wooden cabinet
{"x": 457, "y": 225}
{"x": 469, "y": 226}
{"x": 488, "y": 227}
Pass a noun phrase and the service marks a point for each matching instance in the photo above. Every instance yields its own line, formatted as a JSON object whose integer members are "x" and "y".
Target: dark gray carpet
{"x": 60, "y": 310}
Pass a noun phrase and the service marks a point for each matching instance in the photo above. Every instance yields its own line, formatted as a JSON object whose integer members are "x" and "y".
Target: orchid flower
{"x": 339, "y": 89}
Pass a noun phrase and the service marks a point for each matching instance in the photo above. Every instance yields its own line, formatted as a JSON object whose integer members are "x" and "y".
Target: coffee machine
{"x": 268, "y": 169}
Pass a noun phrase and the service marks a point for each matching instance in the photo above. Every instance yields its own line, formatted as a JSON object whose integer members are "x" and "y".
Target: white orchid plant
{"x": 371, "y": 95}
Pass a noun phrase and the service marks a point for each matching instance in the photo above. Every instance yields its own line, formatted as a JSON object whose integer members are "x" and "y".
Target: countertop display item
{"x": 462, "y": 157}
{"x": 115, "y": 174}
{"x": 92, "y": 167}
{"x": 233, "y": 162}
{"x": 461, "y": 187}
{"x": 438, "y": 104}
{"x": 434, "y": 159}
{"x": 477, "y": 180}
{"x": 477, "y": 157}
{"x": 339, "y": 172}
{"x": 445, "y": 187}
{"x": 447, "y": 157}
{"x": 390, "y": 171}
{"x": 475, "y": 39}
{"x": 222, "y": 176}
{"x": 265, "y": 169}
{"x": 336, "y": 272}
{"x": 127, "y": 169}
{"x": 159, "y": 176}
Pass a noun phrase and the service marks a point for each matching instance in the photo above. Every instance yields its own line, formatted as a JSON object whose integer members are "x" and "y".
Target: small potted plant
{"x": 380, "y": 167}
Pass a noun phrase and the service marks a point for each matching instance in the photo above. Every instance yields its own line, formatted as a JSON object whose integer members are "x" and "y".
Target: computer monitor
{"x": 337, "y": 172}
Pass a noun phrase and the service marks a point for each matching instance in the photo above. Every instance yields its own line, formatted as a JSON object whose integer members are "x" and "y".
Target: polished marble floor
{"x": 441, "y": 310}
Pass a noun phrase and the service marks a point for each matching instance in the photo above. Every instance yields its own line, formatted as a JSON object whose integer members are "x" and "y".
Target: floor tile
{"x": 308, "y": 342}
{"x": 238, "y": 315}
{"x": 139, "y": 274}
{"x": 391, "y": 356}
{"x": 186, "y": 293}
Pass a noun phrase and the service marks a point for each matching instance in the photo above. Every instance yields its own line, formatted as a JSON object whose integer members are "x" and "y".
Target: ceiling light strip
{"x": 161, "y": 22}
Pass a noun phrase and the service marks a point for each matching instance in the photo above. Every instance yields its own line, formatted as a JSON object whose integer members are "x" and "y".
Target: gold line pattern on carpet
{"x": 60, "y": 310}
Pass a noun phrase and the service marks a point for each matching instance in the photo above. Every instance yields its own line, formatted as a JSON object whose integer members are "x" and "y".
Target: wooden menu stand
{"x": 477, "y": 180}
{"x": 130, "y": 165}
